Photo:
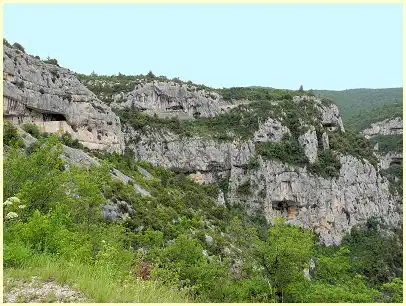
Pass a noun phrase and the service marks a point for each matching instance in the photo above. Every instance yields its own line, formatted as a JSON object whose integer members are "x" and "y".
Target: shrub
{"x": 51, "y": 61}
{"x": 69, "y": 141}
{"x": 10, "y": 135}
{"x": 17, "y": 46}
{"x": 6, "y": 43}
{"x": 244, "y": 188}
{"x": 287, "y": 150}
{"x": 32, "y": 129}
{"x": 327, "y": 165}
{"x": 253, "y": 163}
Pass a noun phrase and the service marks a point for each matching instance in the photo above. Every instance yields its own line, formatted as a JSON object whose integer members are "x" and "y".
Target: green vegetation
{"x": 388, "y": 143}
{"x": 32, "y": 129}
{"x": 376, "y": 114}
{"x": 68, "y": 140}
{"x": 257, "y": 93}
{"x": 240, "y": 123}
{"x": 358, "y": 103}
{"x": 162, "y": 252}
{"x": 327, "y": 165}
{"x": 394, "y": 174}
{"x": 10, "y": 135}
{"x": 244, "y": 188}
{"x": 287, "y": 150}
{"x": 6, "y": 43}
{"x": 51, "y": 61}
{"x": 18, "y": 46}
{"x": 105, "y": 86}
{"x": 354, "y": 144}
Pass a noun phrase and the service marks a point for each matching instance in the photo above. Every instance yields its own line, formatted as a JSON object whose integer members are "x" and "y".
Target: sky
{"x": 282, "y": 46}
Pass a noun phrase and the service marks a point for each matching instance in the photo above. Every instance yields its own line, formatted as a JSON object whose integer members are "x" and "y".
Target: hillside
{"x": 144, "y": 189}
{"x": 356, "y": 102}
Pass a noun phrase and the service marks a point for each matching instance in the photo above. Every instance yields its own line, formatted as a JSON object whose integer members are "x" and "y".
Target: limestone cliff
{"x": 53, "y": 98}
{"x": 171, "y": 99}
{"x": 285, "y": 154}
{"x": 330, "y": 206}
{"x": 393, "y": 126}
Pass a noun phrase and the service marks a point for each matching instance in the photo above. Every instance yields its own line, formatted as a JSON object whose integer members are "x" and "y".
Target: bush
{"x": 244, "y": 188}
{"x": 69, "y": 141}
{"x": 11, "y": 136}
{"x": 32, "y": 129}
{"x": 287, "y": 150}
{"x": 17, "y": 46}
{"x": 51, "y": 61}
{"x": 327, "y": 165}
{"x": 6, "y": 43}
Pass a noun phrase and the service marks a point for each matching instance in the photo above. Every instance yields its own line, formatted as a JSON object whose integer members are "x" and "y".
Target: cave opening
{"x": 286, "y": 208}
{"x": 53, "y": 117}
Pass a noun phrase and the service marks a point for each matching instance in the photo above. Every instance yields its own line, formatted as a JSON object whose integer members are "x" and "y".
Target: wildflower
{"x": 8, "y": 202}
{"x": 103, "y": 241}
{"x": 14, "y": 200}
{"x": 22, "y": 206}
{"x": 11, "y": 215}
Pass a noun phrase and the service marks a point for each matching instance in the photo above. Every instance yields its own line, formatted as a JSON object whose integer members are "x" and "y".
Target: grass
{"x": 98, "y": 283}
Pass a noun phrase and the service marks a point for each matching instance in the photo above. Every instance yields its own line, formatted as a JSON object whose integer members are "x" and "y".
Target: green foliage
{"x": 37, "y": 180}
{"x": 287, "y": 150}
{"x": 253, "y": 164}
{"x": 393, "y": 291}
{"x": 388, "y": 143}
{"x": 53, "y": 228}
{"x": 11, "y": 136}
{"x": 394, "y": 174}
{"x": 327, "y": 164}
{"x": 283, "y": 258}
{"x": 244, "y": 188}
{"x": 374, "y": 253}
{"x": 32, "y": 129}
{"x": 18, "y": 46}
{"x": 376, "y": 114}
{"x": 239, "y": 123}
{"x": 51, "y": 61}
{"x": 355, "y": 104}
{"x": 6, "y": 43}
{"x": 352, "y": 143}
{"x": 68, "y": 140}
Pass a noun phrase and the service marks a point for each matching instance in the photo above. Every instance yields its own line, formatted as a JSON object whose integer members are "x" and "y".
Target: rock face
{"x": 390, "y": 158}
{"x": 310, "y": 144}
{"x": 188, "y": 154}
{"x": 331, "y": 117}
{"x": 271, "y": 130}
{"x": 329, "y": 207}
{"x": 172, "y": 99}
{"x": 53, "y": 98}
{"x": 386, "y": 127}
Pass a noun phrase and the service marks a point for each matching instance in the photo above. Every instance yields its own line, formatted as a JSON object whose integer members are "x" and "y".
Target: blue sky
{"x": 282, "y": 46}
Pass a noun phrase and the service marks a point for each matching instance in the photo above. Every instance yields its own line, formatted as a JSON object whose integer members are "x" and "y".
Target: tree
{"x": 284, "y": 255}
{"x": 16, "y": 45}
{"x": 301, "y": 88}
{"x": 150, "y": 75}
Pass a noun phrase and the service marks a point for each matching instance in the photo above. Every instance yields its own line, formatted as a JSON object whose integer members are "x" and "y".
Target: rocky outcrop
{"x": 172, "y": 99}
{"x": 188, "y": 154}
{"x": 331, "y": 117}
{"x": 271, "y": 130}
{"x": 329, "y": 207}
{"x": 389, "y": 159}
{"x": 55, "y": 99}
{"x": 392, "y": 126}
{"x": 310, "y": 144}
